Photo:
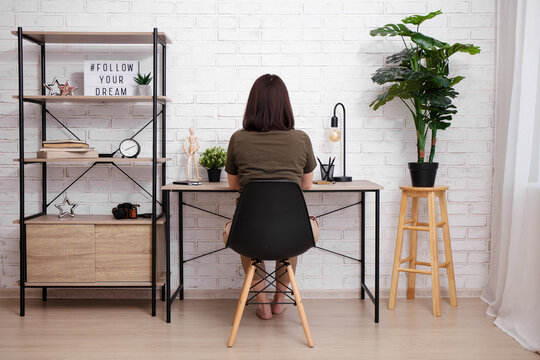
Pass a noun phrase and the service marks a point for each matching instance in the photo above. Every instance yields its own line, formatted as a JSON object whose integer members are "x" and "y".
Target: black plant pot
{"x": 423, "y": 174}
{"x": 214, "y": 175}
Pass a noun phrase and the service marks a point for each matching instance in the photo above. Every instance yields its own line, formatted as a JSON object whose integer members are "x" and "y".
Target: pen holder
{"x": 327, "y": 172}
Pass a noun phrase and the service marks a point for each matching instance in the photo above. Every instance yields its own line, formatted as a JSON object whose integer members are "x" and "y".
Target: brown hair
{"x": 268, "y": 107}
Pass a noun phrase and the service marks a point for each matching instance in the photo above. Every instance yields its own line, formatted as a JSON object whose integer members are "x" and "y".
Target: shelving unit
{"x": 92, "y": 250}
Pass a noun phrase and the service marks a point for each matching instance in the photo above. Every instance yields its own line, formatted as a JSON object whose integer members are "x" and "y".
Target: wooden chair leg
{"x": 300, "y": 305}
{"x": 436, "y": 294}
{"x": 413, "y": 250}
{"x": 397, "y": 254}
{"x": 448, "y": 250}
{"x": 241, "y": 304}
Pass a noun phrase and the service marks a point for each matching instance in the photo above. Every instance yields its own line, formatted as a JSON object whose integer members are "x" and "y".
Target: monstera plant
{"x": 419, "y": 76}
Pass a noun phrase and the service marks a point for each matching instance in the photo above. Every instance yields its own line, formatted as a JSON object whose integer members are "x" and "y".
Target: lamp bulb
{"x": 335, "y": 135}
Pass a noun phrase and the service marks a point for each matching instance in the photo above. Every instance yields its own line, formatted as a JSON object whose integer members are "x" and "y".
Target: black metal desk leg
{"x": 363, "y": 246}
{"x": 44, "y": 294}
{"x": 181, "y": 244}
{"x": 168, "y": 254}
{"x": 377, "y": 229}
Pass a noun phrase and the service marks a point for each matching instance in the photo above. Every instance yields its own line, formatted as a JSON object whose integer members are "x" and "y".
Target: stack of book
{"x": 66, "y": 149}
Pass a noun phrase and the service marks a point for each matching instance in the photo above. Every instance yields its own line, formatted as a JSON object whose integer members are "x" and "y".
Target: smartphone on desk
{"x": 187, "y": 182}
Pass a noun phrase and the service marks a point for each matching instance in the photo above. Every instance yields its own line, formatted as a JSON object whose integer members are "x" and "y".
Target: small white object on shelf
{"x": 64, "y": 212}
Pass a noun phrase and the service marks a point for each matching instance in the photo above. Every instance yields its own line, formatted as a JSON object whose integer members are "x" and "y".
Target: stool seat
{"x": 424, "y": 189}
{"x": 413, "y": 225}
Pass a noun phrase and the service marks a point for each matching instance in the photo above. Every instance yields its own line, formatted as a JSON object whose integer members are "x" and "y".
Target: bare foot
{"x": 263, "y": 308}
{"x": 264, "y": 312}
{"x": 278, "y": 308}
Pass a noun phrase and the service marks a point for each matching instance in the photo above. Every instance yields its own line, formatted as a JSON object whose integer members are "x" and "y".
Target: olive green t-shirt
{"x": 271, "y": 155}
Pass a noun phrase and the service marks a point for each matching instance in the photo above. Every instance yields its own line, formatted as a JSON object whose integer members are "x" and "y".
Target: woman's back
{"x": 274, "y": 154}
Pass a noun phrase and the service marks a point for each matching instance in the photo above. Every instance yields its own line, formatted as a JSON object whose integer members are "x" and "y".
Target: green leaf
{"x": 439, "y": 125}
{"x": 457, "y": 47}
{"x": 397, "y": 58}
{"x": 391, "y": 30}
{"x": 455, "y": 80}
{"x": 418, "y": 19}
{"x": 384, "y": 75}
{"x": 427, "y": 42}
{"x": 402, "y": 90}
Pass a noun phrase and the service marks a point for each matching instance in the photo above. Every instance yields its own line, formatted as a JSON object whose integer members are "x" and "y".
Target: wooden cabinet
{"x": 61, "y": 253}
{"x": 123, "y": 252}
{"x": 77, "y": 252}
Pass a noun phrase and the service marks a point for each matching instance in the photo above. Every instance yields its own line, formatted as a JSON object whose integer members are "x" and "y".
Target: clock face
{"x": 130, "y": 148}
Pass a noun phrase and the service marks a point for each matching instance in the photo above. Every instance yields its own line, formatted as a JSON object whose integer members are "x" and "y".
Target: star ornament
{"x": 66, "y": 212}
{"x": 67, "y": 90}
{"x": 53, "y": 88}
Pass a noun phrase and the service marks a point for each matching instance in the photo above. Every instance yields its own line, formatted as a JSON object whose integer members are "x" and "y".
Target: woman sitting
{"x": 269, "y": 148}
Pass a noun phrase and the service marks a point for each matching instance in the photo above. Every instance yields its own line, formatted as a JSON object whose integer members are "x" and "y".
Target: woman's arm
{"x": 307, "y": 181}
{"x": 234, "y": 181}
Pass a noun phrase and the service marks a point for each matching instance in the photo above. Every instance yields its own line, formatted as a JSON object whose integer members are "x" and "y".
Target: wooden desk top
{"x": 223, "y": 186}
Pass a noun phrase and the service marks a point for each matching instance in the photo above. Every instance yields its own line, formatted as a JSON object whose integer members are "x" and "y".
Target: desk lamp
{"x": 335, "y": 136}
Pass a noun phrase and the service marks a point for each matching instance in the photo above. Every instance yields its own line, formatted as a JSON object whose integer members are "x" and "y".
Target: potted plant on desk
{"x": 143, "y": 84}
{"x": 419, "y": 77}
{"x": 213, "y": 159}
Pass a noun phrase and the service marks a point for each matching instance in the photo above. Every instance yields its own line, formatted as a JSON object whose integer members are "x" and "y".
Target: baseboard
{"x": 82, "y": 293}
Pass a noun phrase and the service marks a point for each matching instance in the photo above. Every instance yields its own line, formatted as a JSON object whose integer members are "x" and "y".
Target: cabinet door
{"x": 60, "y": 253}
{"x": 123, "y": 252}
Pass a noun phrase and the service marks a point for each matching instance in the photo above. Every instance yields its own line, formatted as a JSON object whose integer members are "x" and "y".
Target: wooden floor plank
{"x": 341, "y": 329}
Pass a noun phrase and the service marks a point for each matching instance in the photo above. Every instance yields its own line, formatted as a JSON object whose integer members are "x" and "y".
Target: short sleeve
{"x": 230, "y": 165}
{"x": 311, "y": 163}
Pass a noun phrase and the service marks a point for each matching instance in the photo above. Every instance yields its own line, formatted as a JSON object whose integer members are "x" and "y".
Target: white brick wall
{"x": 323, "y": 51}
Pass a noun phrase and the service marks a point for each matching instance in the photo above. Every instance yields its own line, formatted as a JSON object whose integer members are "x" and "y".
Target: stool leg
{"x": 436, "y": 294}
{"x": 413, "y": 250}
{"x": 448, "y": 249}
{"x": 300, "y": 305}
{"x": 397, "y": 254}
{"x": 241, "y": 304}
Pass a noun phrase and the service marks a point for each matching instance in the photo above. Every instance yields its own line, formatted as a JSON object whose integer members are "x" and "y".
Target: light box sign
{"x": 110, "y": 78}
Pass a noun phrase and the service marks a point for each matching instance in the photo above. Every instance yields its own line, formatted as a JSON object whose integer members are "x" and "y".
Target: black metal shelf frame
{"x": 45, "y": 204}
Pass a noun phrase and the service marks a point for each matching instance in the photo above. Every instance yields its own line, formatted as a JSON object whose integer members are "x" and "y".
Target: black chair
{"x": 271, "y": 222}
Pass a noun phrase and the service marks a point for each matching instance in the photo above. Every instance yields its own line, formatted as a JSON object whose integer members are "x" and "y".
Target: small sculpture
{"x": 53, "y": 88}
{"x": 191, "y": 153}
{"x": 66, "y": 212}
{"x": 67, "y": 90}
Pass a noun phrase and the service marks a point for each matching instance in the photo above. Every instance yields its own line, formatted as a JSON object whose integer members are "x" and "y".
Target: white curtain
{"x": 513, "y": 288}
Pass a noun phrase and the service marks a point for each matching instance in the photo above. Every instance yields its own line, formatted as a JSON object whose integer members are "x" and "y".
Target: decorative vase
{"x": 214, "y": 175}
{"x": 144, "y": 90}
{"x": 423, "y": 174}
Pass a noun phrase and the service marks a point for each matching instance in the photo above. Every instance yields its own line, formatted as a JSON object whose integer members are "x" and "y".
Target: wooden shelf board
{"x": 64, "y": 37}
{"x": 82, "y": 98}
{"x": 53, "y": 219}
{"x": 97, "y": 160}
{"x": 160, "y": 282}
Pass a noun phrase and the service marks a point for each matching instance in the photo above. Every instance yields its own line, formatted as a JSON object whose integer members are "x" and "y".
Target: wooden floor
{"x": 342, "y": 329}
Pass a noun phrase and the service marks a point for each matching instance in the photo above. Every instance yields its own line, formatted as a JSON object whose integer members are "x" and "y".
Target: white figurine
{"x": 191, "y": 153}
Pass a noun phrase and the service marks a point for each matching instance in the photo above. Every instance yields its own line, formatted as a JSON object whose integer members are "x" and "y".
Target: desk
{"x": 357, "y": 186}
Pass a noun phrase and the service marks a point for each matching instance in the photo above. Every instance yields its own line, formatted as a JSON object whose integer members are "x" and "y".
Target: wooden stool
{"x": 413, "y": 225}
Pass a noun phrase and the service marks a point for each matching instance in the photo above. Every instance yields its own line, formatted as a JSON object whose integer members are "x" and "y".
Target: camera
{"x": 125, "y": 211}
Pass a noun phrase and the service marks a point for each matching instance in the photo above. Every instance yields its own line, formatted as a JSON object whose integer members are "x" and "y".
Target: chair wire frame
{"x": 272, "y": 282}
